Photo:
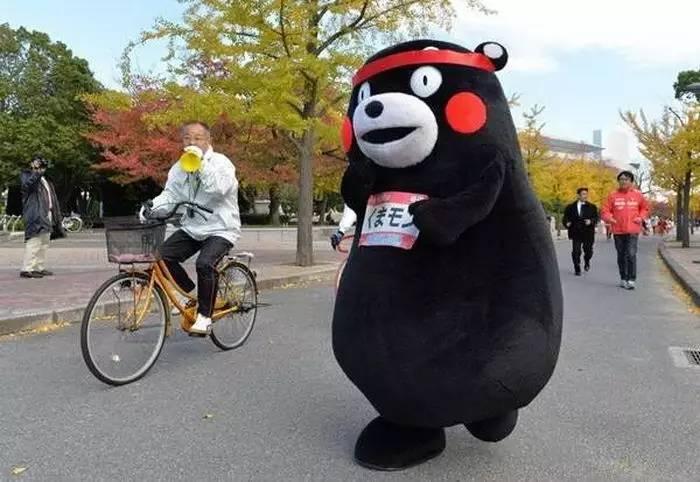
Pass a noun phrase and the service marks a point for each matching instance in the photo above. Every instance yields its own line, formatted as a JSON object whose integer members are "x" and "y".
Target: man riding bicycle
{"x": 210, "y": 181}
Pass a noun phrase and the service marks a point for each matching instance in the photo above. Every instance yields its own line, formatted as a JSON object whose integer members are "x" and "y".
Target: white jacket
{"x": 214, "y": 186}
{"x": 348, "y": 219}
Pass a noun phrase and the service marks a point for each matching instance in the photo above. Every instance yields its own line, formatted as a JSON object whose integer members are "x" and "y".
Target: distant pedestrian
{"x": 42, "y": 218}
{"x": 580, "y": 219}
{"x": 625, "y": 209}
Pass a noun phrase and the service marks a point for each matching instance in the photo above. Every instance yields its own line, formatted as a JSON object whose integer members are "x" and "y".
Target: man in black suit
{"x": 580, "y": 219}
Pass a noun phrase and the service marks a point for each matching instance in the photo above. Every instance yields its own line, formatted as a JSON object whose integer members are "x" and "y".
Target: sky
{"x": 583, "y": 60}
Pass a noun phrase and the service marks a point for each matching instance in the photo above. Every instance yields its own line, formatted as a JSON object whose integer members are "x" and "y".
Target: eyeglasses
{"x": 195, "y": 139}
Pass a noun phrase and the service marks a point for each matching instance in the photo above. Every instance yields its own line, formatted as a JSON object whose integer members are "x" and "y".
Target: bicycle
{"x": 344, "y": 250}
{"x": 137, "y": 318}
{"x": 72, "y": 223}
{"x": 13, "y": 223}
{"x": 9, "y": 222}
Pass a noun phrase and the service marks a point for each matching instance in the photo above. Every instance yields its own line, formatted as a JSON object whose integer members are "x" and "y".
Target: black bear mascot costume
{"x": 449, "y": 310}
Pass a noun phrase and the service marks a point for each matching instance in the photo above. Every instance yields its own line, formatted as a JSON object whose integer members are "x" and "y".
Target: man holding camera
{"x": 42, "y": 218}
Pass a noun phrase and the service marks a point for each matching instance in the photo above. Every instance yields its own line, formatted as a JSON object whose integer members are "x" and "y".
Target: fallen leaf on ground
{"x": 19, "y": 470}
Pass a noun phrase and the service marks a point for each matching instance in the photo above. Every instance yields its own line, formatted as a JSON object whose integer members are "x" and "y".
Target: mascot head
{"x": 425, "y": 102}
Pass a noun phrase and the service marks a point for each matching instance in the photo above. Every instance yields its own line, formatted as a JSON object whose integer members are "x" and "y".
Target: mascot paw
{"x": 494, "y": 429}
{"x": 383, "y": 445}
{"x": 431, "y": 227}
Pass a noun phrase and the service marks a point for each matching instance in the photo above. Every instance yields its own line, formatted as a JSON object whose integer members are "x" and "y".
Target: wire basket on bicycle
{"x": 132, "y": 242}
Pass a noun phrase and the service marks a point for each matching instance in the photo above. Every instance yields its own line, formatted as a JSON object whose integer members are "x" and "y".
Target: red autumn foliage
{"x": 132, "y": 150}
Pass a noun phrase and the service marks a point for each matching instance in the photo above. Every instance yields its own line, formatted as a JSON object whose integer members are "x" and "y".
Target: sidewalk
{"x": 80, "y": 265}
{"x": 684, "y": 264}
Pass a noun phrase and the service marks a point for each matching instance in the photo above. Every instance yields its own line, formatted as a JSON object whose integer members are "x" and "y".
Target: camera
{"x": 42, "y": 163}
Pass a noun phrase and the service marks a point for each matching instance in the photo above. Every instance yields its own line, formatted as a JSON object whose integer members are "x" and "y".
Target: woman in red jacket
{"x": 624, "y": 210}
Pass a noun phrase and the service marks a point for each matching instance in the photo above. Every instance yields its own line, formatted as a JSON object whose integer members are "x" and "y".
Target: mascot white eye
{"x": 426, "y": 81}
{"x": 364, "y": 92}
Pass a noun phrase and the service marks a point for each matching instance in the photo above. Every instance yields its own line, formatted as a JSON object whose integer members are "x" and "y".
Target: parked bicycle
{"x": 128, "y": 318}
{"x": 72, "y": 223}
{"x": 9, "y": 223}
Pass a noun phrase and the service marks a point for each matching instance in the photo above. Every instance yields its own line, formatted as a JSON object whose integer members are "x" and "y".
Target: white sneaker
{"x": 630, "y": 285}
{"x": 201, "y": 325}
{"x": 623, "y": 284}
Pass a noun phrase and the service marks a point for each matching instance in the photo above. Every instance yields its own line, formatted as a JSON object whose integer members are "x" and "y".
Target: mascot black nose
{"x": 374, "y": 109}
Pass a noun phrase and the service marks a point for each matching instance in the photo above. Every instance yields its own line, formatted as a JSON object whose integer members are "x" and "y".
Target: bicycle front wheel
{"x": 123, "y": 328}
{"x": 237, "y": 297}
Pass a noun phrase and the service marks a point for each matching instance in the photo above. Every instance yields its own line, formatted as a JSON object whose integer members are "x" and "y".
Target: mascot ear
{"x": 495, "y": 52}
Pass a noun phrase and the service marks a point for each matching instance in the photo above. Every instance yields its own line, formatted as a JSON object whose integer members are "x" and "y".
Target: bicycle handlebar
{"x": 176, "y": 207}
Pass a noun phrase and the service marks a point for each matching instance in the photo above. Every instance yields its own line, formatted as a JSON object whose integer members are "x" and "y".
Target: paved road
{"x": 616, "y": 409}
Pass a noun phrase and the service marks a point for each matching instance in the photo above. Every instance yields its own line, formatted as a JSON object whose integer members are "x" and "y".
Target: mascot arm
{"x": 357, "y": 184}
{"x": 442, "y": 221}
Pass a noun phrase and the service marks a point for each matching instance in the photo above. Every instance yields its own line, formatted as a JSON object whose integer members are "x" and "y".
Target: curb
{"x": 74, "y": 315}
{"x": 680, "y": 274}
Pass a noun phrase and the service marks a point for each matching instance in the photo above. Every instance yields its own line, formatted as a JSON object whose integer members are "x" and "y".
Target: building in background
{"x": 569, "y": 149}
{"x": 618, "y": 149}
{"x": 616, "y": 153}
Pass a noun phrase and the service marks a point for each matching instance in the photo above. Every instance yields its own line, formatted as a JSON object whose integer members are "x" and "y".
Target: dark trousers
{"x": 178, "y": 248}
{"x": 626, "y": 246}
{"x": 585, "y": 242}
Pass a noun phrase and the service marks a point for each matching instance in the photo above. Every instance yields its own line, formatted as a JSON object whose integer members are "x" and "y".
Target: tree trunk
{"x": 274, "y": 193}
{"x": 685, "y": 235}
{"x": 679, "y": 211}
{"x": 305, "y": 254}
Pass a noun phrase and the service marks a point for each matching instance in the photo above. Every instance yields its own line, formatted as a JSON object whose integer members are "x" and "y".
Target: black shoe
{"x": 30, "y": 274}
{"x": 44, "y": 272}
{"x": 587, "y": 266}
{"x": 494, "y": 429}
{"x": 384, "y": 445}
{"x": 578, "y": 272}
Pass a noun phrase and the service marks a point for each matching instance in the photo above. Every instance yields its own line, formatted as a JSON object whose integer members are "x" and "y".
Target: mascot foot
{"x": 494, "y": 429}
{"x": 383, "y": 445}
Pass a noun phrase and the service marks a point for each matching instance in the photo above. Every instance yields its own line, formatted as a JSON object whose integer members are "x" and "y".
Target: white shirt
{"x": 214, "y": 186}
{"x": 580, "y": 203}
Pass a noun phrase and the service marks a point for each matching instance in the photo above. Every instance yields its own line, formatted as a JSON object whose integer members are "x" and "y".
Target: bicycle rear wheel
{"x": 237, "y": 292}
{"x": 123, "y": 328}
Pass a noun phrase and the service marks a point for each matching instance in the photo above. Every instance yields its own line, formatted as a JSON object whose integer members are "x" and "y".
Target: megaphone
{"x": 191, "y": 159}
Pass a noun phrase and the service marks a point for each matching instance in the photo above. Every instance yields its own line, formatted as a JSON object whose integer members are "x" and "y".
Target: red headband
{"x": 419, "y": 57}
